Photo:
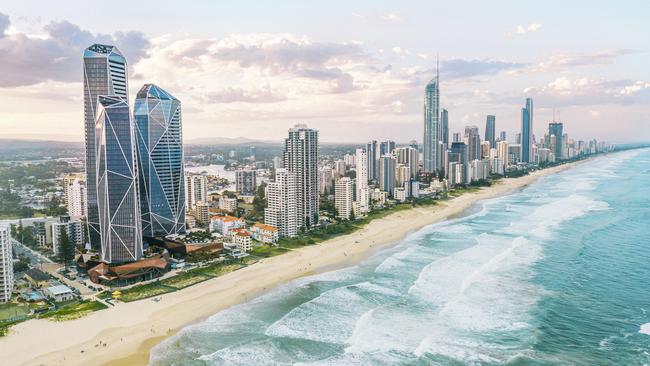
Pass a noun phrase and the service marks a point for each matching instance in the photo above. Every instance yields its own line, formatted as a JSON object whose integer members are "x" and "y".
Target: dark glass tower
{"x": 527, "y": 131}
{"x": 105, "y": 73}
{"x": 490, "y": 131}
{"x": 118, "y": 200}
{"x": 556, "y": 129}
{"x": 159, "y": 141}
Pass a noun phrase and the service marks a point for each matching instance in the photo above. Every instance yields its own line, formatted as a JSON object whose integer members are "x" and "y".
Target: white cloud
{"x": 393, "y": 17}
{"x": 532, "y": 27}
{"x": 565, "y": 60}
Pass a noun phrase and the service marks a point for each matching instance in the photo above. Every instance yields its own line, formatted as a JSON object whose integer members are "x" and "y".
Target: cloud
{"x": 29, "y": 60}
{"x": 565, "y": 60}
{"x": 393, "y": 17}
{"x": 532, "y": 27}
{"x": 460, "y": 68}
{"x": 233, "y": 95}
{"x": 564, "y": 91}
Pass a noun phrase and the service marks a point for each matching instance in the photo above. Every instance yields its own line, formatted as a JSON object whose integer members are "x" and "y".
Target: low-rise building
{"x": 225, "y": 224}
{"x": 399, "y": 194}
{"x": 242, "y": 239}
{"x": 378, "y": 197}
{"x": 60, "y": 293}
{"x": 37, "y": 278}
{"x": 265, "y": 233}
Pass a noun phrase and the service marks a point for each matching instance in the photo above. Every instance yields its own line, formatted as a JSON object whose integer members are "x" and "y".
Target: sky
{"x": 354, "y": 70}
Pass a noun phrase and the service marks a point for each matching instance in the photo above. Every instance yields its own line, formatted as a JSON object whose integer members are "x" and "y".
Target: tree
{"x": 66, "y": 248}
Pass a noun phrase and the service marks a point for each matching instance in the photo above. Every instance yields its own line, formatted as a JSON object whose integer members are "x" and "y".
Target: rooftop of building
{"x": 266, "y": 227}
{"x": 59, "y": 290}
{"x": 226, "y": 218}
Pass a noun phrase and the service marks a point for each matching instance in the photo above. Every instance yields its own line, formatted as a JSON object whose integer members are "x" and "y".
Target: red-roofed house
{"x": 265, "y": 233}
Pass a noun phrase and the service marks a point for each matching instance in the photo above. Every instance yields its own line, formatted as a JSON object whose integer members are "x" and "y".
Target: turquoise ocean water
{"x": 557, "y": 274}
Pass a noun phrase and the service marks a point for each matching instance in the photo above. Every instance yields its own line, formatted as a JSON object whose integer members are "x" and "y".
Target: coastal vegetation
{"x": 73, "y": 310}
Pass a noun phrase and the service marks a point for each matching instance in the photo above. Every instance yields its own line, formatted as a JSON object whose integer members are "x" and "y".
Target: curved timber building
{"x": 117, "y": 182}
{"x": 159, "y": 140}
{"x": 105, "y": 73}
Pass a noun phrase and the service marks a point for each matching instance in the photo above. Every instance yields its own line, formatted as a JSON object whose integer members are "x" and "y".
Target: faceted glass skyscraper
{"x": 432, "y": 154}
{"x": 117, "y": 182}
{"x": 159, "y": 141}
{"x": 105, "y": 73}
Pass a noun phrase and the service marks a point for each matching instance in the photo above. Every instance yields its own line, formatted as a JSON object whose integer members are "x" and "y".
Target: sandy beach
{"x": 124, "y": 334}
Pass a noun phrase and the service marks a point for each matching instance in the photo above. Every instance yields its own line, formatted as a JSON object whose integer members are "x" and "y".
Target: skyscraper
{"x": 460, "y": 150}
{"x": 432, "y": 153}
{"x": 386, "y": 147}
{"x": 556, "y": 129}
{"x": 301, "y": 158}
{"x": 503, "y": 136}
{"x": 159, "y": 140}
{"x": 527, "y": 131}
{"x": 6, "y": 264}
{"x": 363, "y": 193}
{"x": 343, "y": 197}
{"x": 282, "y": 203}
{"x": 246, "y": 182}
{"x": 444, "y": 130}
{"x": 410, "y": 157}
{"x": 387, "y": 166}
{"x": 473, "y": 142}
{"x": 105, "y": 73}
{"x": 196, "y": 190}
{"x": 490, "y": 131}
{"x": 372, "y": 151}
{"x": 117, "y": 182}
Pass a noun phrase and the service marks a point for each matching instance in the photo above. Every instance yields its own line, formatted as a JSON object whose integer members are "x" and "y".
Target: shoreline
{"x": 126, "y": 333}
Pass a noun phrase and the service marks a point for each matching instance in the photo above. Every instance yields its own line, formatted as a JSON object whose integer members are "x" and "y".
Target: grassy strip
{"x": 12, "y": 310}
{"x": 184, "y": 280}
{"x": 145, "y": 291}
{"x": 74, "y": 310}
{"x": 219, "y": 269}
{"x": 266, "y": 251}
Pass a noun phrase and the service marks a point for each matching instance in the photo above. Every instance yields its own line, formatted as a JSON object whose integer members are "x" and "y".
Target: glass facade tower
{"x": 432, "y": 154}
{"x": 117, "y": 182}
{"x": 105, "y": 73}
{"x": 159, "y": 141}
{"x": 556, "y": 129}
{"x": 527, "y": 131}
{"x": 490, "y": 131}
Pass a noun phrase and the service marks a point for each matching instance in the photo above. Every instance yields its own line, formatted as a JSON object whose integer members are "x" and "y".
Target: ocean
{"x": 555, "y": 274}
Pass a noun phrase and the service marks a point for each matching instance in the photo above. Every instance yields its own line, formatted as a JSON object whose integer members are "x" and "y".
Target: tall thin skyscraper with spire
{"x": 527, "y": 132}
{"x": 105, "y": 73}
{"x": 432, "y": 154}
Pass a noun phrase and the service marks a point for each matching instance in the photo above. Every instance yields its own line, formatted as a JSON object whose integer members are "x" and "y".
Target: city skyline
{"x": 236, "y": 79}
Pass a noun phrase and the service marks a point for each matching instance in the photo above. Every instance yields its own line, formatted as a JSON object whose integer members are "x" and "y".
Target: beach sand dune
{"x": 124, "y": 334}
